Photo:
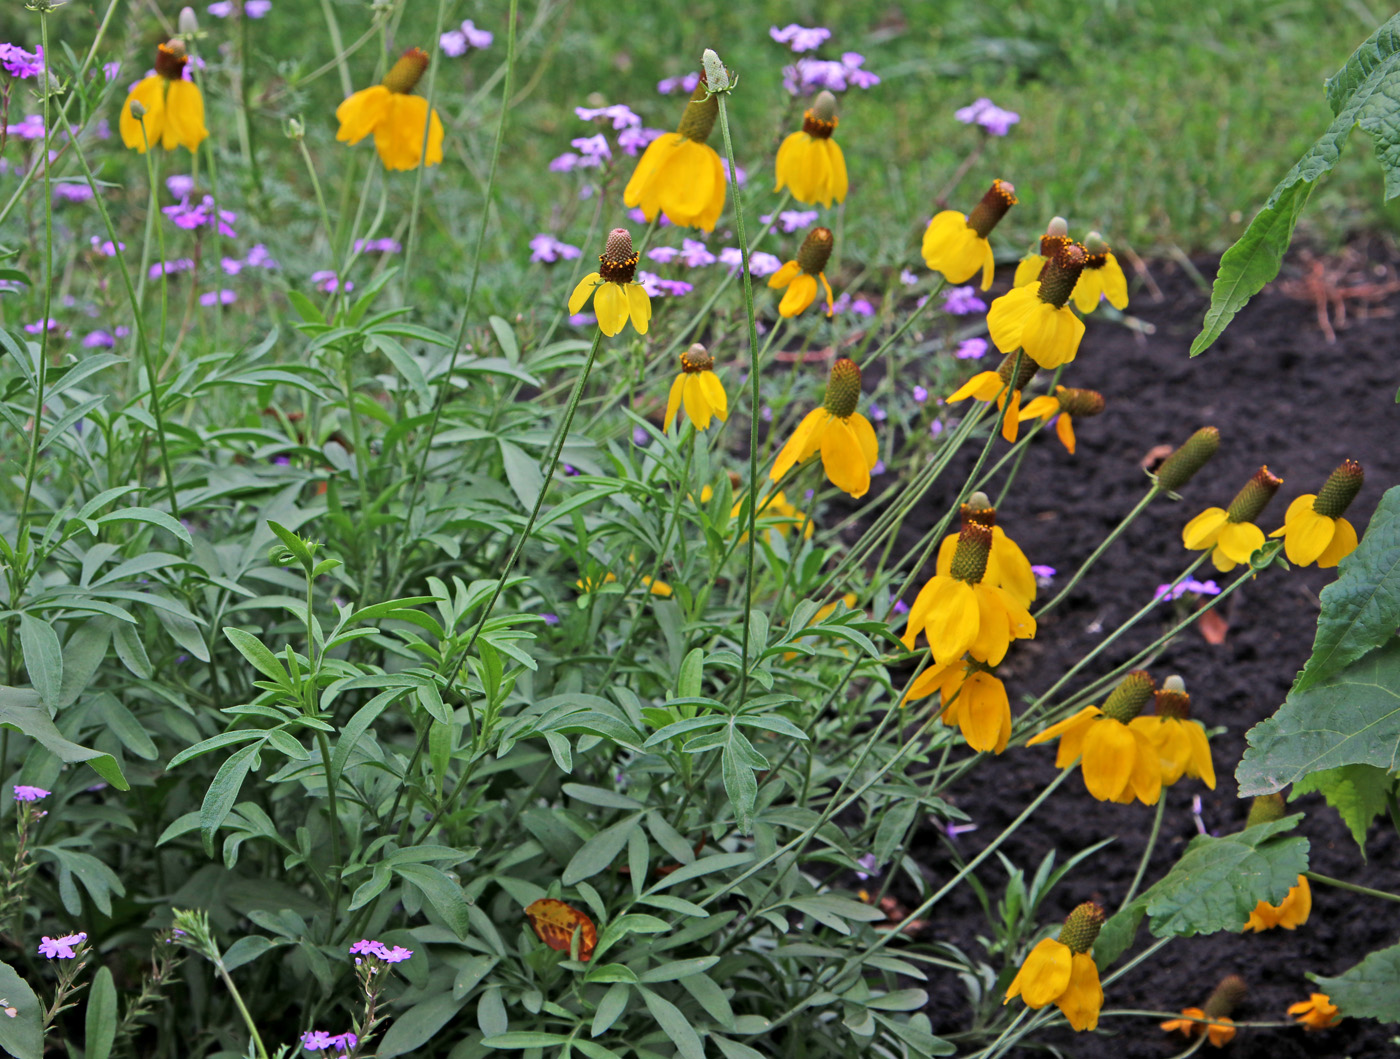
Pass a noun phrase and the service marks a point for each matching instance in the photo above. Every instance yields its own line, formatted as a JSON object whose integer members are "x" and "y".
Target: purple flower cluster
{"x": 1200, "y": 588}
{"x": 620, "y": 114}
{"x": 20, "y": 63}
{"x": 366, "y": 947}
{"x": 49, "y": 324}
{"x": 217, "y": 297}
{"x": 258, "y": 257}
{"x": 326, "y": 281}
{"x": 456, "y": 42}
{"x": 104, "y": 339}
{"x": 251, "y": 8}
{"x": 31, "y": 127}
{"x": 989, "y": 116}
{"x": 800, "y": 38}
{"x": 1043, "y": 575}
{"x": 760, "y": 264}
{"x": 971, "y": 349}
{"x": 812, "y": 75}
{"x": 71, "y": 192}
{"x": 378, "y": 246}
{"x": 544, "y": 247}
{"x": 106, "y": 247}
{"x": 963, "y": 301}
{"x": 61, "y": 948}
{"x": 847, "y": 304}
{"x": 167, "y": 268}
{"x": 692, "y": 254}
{"x": 656, "y": 287}
{"x": 25, "y": 793}
{"x": 321, "y": 1041}
{"x": 192, "y": 216}
{"x": 792, "y": 220}
{"x": 685, "y": 84}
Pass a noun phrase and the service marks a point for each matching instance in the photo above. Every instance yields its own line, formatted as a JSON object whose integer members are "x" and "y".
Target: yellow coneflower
{"x": 1035, "y": 317}
{"x": 616, "y": 297}
{"x": 1066, "y": 402}
{"x": 1182, "y": 747}
{"x": 679, "y": 174}
{"x": 810, "y": 162}
{"x": 592, "y": 584}
{"x": 800, "y": 276}
{"x": 1061, "y": 971}
{"x": 1231, "y": 533}
{"x": 988, "y": 385}
{"x": 961, "y": 613}
{"x": 777, "y": 515}
{"x": 173, "y": 109}
{"x": 955, "y": 244}
{"x": 1316, "y": 1013}
{"x": 1119, "y": 762}
{"x": 1056, "y": 237}
{"x": 844, "y": 437}
{"x": 698, "y": 389}
{"x": 1314, "y": 530}
{"x": 973, "y": 698}
{"x": 1220, "y": 1029}
{"x": 395, "y": 116}
{"x": 1007, "y": 565}
{"x": 1102, "y": 278}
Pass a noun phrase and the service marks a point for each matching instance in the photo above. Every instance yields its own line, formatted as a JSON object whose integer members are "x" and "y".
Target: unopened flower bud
{"x": 1061, "y": 273}
{"x": 1024, "y": 374}
{"x": 1181, "y": 466}
{"x": 296, "y": 129}
{"x": 700, "y": 115}
{"x": 1249, "y": 502}
{"x": 1127, "y": 700}
{"x": 715, "y": 73}
{"x": 138, "y": 109}
{"x": 1226, "y": 997}
{"x": 1000, "y": 197}
{"x": 815, "y": 251}
{"x": 843, "y": 388}
{"x": 1341, "y": 488}
{"x": 970, "y": 558}
{"x": 1265, "y": 809}
{"x": 1081, "y": 927}
{"x": 188, "y": 23}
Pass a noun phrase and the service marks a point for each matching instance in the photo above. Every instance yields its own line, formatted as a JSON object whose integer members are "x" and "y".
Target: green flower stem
{"x": 320, "y": 197}
{"x": 1109, "y": 1013}
{"x": 754, "y": 399}
{"x": 1011, "y": 1028}
{"x": 347, "y": 86}
{"x": 338, "y": 865}
{"x": 357, "y": 434}
{"x": 1103, "y": 547}
{"x": 154, "y": 181}
{"x": 1342, "y": 884}
{"x": 445, "y": 388}
{"x": 238, "y": 1003}
{"x": 415, "y": 205}
{"x": 1147, "y": 850}
{"x": 1030, "y": 433}
{"x": 1145, "y": 954}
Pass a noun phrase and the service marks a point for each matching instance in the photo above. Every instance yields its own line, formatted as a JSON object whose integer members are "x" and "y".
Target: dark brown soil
{"x": 1281, "y": 395}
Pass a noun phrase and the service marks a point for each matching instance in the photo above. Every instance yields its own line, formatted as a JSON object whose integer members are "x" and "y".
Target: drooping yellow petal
{"x": 1308, "y": 535}
{"x": 361, "y": 112}
{"x": 639, "y": 307}
{"x": 984, "y": 386}
{"x": 839, "y": 182}
{"x": 1343, "y": 544}
{"x": 1057, "y": 730}
{"x": 1146, "y": 779}
{"x": 1040, "y": 408}
{"x": 398, "y": 137}
{"x": 1082, "y": 998}
{"x": 1088, "y": 290}
{"x": 1011, "y": 419}
{"x": 579, "y": 298}
{"x": 1008, "y": 567}
{"x": 1115, "y": 284}
{"x": 1044, "y": 975}
{"x": 656, "y": 155}
{"x": 610, "y": 303}
{"x": 952, "y": 624}
{"x": 1200, "y": 764}
{"x": 697, "y": 405}
{"x": 1110, "y": 753}
{"x": 1240, "y": 540}
{"x": 787, "y": 165}
{"x": 865, "y": 434}
{"x": 714, "y": 393}
{"x": 844, "y": 459}
{"x": 985, "y": 712}
{"x": 1028, "y": 271}
{"x": 954, "y": 249}
{"x": 1050, "y": 336}
{"x": 801, "y": 292}
{"x": 1006, "y": 320}
{"x": 184, "y": 117}
{"x": 1064, "y": 429}
{"x": 830, "y": 301}
{"x": 150, "y": 93}
{"x": 784, "y": 275}
{"x": 673, "y": 401}
{"x": 1296, "y": 906}
{"x": 993, "y": 626}
{"x": 1201, "y": 532}
{"x": 805, "y": 440}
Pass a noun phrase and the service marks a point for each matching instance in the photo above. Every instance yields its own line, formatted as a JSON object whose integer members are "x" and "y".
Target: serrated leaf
{"x": 1365, "y": 93}
{"x": 1357, "y": 792}
{"x": 1218, "y": 881}
{"x": 1351, "y": 718}
{"x": 1116, "y": 936}
{"x": 1361, "y": 609}
{"x": 1370, "y": 990}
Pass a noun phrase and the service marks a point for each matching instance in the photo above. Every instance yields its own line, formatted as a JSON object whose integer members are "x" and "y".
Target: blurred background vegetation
{"x": 1164, "y": 123}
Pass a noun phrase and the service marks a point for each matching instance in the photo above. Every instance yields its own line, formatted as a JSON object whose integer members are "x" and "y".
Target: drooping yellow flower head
{"x": 1066, "y": 403}
{"x": 679, "y": 174}
{"x": 810, "y": 162}
{"x": 592, "y": 584}
{"x": 1220, "y": 1030}
{"x": 989, "y": 385}
{"x": 1230, "y": 533}
{"x": 955, "y": 244}
{"x": 800, "y": 276}
{"x": 172, "y": 108}
{"x": 1182, "y": 747}
{"x": 698, "y": 389}
{"x": 973, "y": 699}
{"x": 1119, "y": 762}
{"x": 395, "y": 115}
{"x": 961, "y": 613}
{"x": 1061, "y": 971}
{"x": 1036, "y": 317}
{"x": 1316, "y": 1013}
{"x": 1290, "y": 913}
{"x": 778, "y": 515}
{"x": 616, "y": 296}
{"x": 1101, "y": 279}
{"x": 1007, "y": 565}
{"x": 1056, "y": 237}
{"x": 1314, "y": 530}
{"x": 844, "y": 437}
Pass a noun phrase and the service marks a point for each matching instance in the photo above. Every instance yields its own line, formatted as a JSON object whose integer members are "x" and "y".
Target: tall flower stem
{"x": 1342, "y": 884}
{"x": 754, "y": 400}
{"x": 411, "y": 243}
{"x": 1103, "y": 547}
{"x": 1147, "y": 850}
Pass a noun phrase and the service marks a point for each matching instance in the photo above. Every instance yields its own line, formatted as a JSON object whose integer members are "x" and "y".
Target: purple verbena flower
{"x": 811, "y": 75}
{"x": 919, "y": 394}
{"x": 21, "y": 64}
{"x": 232, "y": 266}
{"x": 166, "y": 268}
{"x": 544, "y": 247}
{"x": 877, "y": 413}
{"x": 791, "y": 220}
{"x": 1043, "y": 575}
{"x": 31, "y": 127}
{"x": 191, "y": 216}
{"x": 258, "y": 257}
{"x": 221, "y": 9}
{"x": 800, "y": 38}
{"x": 564, "y": 163}
{"x": 868, "y": 866}
{"x": 640, "y": 436}
{"x": 619, "y": 114}
{"x": 550, "y": 619}
{"x": 61, "y": 948}
{"x": 962, "y": 301}
{"x": 663, "y": 254}
{"x": 180, "y": 185}
{"x": 257, "y": 8}
{"x": 593, "y": 150}
{"x": 760, "y": 264}
{"x": 695, "y": 254}
{"x": 111, "y": 70}
{"x": 582, "y": 320}
{"x": 636, "y": 216}
{"x": 326, "y": 281}
{"x": 378, "y": 246}
{"x": 316, "y": 1040}
{"x": 971, "y": 349}
{"x": 685, "y": 84}
{"x": 26, "y": 793}
{"x": 900, "y": 607}
{"x": 936, "y": 427}
{"x": 908, "y": 277}
{"x": 989, "y": 116}
{"x": 70, "y": 192}
{"x": 49, "y": 324}
{"x": 217, "y": 297}
{"x": 633, "y": 140}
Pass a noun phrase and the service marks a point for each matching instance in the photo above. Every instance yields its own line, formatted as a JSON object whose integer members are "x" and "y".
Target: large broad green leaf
{"x": 1357, "y": 792}
{"x": 18, "y": 710}
{"x": 21, "y": 1036}
{"x": 1361, "y": 609}
{"x": 1371, "y": 989}
{"x": 1116, "y": 936}
{"x": 1351, "y": 718}
{"x": 1364, "y": 92}
{"x": 1218, "y": 881}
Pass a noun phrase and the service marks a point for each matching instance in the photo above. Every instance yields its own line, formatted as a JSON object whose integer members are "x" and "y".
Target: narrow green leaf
{"x": 100, "y": 1022}
{"x": 599, "y": 852}
{"x": 23, "y": 1035}
{"x": 256, "y": 652}
{"x": 675, "y": 1025}
{"x": 418, "y": 1025}
{"x": 522, "y": 472}
{"x": 223, "y": 792}
{"x": 18, "y": 713}
{"x": 43, "y": 657}
{"x": 150, "y": 516}
{"x": 442, "y": 893}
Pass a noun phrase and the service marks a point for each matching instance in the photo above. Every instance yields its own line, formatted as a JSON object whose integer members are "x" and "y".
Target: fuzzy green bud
{"x": 843, "y": 389}
{"x": 1341, "y": 488}
{"x": 1000, "y": 197}
{"x": 1081, "y": 927}
{"x": 970, "y": 558}
{"x": 1226, "y": 997}
{"x": 815, "y": 251}
{"x": 1250, "y": 502}
{"x": 1181, "y": 466}
{"x": 1127, "y": 700}
{"x": 1265, "y": 809}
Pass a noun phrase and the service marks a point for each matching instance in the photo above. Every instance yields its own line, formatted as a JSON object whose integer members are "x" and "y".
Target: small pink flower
{"x": 61, "y": 948}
